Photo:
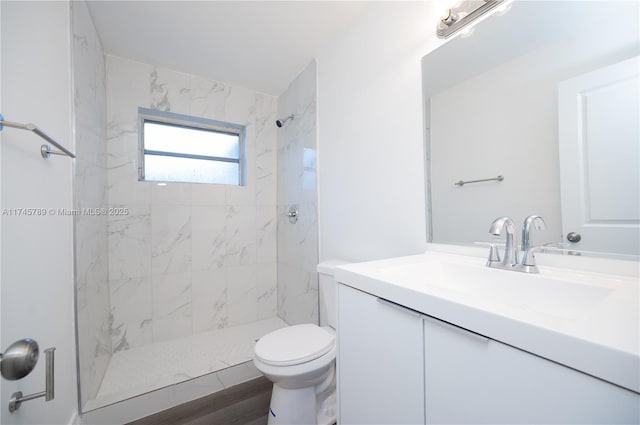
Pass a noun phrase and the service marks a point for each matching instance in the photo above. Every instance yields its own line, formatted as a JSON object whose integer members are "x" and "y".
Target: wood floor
{"x": 244, "y": 404}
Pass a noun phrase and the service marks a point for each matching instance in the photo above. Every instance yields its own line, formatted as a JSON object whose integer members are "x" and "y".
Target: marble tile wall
{"x": 188, "y": 258}
{"x": 298, "y": 243}
{"x": 92, "y": 290}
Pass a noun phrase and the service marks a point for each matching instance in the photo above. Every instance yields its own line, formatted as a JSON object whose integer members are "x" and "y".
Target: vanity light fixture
{"x": 463, "y": 14}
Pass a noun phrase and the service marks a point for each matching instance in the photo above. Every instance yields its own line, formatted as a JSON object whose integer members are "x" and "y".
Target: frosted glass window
{"x": 178, "y": 148}
{"x": 175, "y": 169}
{"x": 187, "y": 140}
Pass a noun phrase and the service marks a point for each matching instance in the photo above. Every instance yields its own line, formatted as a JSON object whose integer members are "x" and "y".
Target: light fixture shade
{"x": 463, "y": 14}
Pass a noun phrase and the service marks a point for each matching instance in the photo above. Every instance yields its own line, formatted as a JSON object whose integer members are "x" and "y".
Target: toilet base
{"x": 292, "y": 406}
{"x": 328, "y": 411}
{"x": 302, "y": 406}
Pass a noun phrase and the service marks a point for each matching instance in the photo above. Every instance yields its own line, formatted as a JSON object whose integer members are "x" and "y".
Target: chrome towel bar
{"x": 462, "y": 183}
{"x": 45, "y": 150}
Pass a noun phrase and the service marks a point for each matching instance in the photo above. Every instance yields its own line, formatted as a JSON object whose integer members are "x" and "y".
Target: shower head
{"x": 282, "y": 122}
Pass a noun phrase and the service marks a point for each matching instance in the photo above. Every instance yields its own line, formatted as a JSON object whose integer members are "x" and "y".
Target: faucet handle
{"x": 529, "y": 260}
{"x": 494, "y": 255}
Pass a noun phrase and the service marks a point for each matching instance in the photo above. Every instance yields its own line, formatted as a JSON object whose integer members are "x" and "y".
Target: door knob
{"x": 573, "y": 237}
{"x": 19, "y": 359}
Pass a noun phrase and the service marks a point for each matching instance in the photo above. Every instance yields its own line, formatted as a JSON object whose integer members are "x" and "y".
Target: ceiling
{"x": 260, "y": 45}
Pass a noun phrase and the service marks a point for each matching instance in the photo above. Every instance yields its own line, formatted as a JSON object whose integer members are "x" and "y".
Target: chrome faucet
{"x": 510, "y": 261}
{"x": 510, "y": 248}
{"x": 528, "y": 259}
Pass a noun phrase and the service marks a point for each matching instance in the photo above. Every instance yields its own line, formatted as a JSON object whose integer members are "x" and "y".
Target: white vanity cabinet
{"x": 473, "y": 379}
{"x": 398, "y": 366}
{"x": 380, "y": 361}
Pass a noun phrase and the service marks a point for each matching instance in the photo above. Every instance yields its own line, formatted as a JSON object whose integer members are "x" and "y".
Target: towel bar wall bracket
{"x": 45, "y": 150}
{"x": 18, "y": 398}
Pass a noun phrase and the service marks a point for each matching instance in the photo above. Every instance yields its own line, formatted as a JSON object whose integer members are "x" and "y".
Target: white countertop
{"x": 586, "y": 320}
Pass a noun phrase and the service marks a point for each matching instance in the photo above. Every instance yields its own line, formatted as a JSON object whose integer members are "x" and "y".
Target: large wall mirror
{"x": 546, "y": 96}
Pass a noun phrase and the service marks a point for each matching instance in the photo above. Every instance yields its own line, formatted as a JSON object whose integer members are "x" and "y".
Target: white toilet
{"x": 300, "y": 361}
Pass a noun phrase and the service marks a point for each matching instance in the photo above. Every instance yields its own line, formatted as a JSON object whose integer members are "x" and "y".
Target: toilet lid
{"x": 294, "y": 345}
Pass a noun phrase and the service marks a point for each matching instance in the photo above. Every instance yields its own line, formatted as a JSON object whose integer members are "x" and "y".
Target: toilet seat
{"x": 294, "y": 345}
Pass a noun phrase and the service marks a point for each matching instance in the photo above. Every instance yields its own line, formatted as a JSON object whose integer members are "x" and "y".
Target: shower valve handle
{"x": 293, "y": 215}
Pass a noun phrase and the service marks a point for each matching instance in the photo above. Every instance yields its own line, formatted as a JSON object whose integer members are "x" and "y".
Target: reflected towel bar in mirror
{"x": 462, "y": 183}
{"x": 45, "y": 150}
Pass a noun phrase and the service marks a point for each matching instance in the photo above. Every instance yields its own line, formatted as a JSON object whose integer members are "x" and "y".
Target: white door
{"x": 599, "y": 139}
{"x": 36, "y": 279}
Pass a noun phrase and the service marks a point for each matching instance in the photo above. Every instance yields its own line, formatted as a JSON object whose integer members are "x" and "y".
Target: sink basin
{"x": 553, "y": 293}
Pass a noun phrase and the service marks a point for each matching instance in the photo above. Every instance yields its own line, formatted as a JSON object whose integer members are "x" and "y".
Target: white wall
{"x": 37, "y": 278}
{"x": 370, "y": 128}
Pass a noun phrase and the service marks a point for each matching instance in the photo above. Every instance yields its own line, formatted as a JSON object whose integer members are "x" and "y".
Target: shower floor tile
{"x": 143, "y": 369}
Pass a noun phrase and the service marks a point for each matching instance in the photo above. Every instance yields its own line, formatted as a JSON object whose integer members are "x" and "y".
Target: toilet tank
{"x": 328, "y": 289}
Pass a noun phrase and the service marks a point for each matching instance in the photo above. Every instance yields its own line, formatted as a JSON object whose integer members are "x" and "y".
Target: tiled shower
{"x": 177, "y": 263}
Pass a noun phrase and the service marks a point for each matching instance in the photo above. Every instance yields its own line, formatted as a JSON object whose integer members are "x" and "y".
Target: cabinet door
{"x": 471, "y": 379}
{"x": 380, "y": 361}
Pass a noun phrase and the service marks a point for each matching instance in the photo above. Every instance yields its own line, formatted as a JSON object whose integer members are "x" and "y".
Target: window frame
{"x": 189, "y": 122}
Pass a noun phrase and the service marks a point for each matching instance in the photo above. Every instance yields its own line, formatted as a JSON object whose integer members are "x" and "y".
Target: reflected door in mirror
{"x": 599, "y": 142}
